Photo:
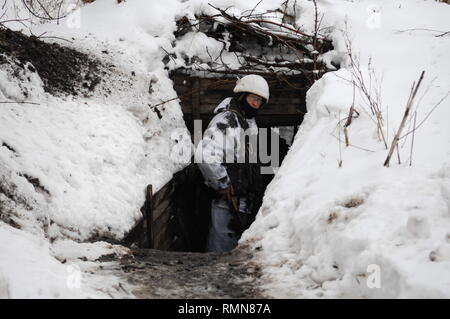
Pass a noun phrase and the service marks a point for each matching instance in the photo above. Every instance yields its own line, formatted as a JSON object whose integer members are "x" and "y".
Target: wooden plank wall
{"x": 200, "y": 96}
{"x": 156, "y": 229}
{"x": 177, "y": 216}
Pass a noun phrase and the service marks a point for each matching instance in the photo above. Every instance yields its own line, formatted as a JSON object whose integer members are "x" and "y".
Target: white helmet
{"x": 253, "y": 84}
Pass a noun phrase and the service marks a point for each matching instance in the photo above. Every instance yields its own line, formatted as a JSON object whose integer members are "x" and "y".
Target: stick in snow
{"x": 405, "y": 116}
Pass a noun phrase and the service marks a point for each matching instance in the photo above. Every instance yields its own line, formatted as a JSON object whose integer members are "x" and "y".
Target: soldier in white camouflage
{"x": 229, "y": 163}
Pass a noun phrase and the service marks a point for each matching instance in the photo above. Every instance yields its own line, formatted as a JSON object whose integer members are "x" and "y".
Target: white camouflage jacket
{"x": 221, "y": 144}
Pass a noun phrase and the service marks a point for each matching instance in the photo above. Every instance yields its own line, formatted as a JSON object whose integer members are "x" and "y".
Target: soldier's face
{"x": 254, "y": 100}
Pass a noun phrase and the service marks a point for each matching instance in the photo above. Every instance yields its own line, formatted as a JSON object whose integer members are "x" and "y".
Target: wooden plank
{"x": 170, "y": 234}
{"x": 207, "y": 93}
{"x": 164, "y": 230}
{"x": 149, "y": 215}
{"x": 292, "y": 109}
{"x": 163, "y": 196}
{"x": 262, "y": 120}
{"x": 186, "y": 106}
{"x": 184, "y": 80}
{"x": 278, "y": 120}
{"x": 225, "y": 84}
{"x": 274, "y": 104}
{"x": 161, "y": 208}
{"x": 214, "y": 98}
{"x": 282, "y": 108}
{"x": 163, "y": 192}
{"x": 274, "y": 92}
{"x": 182, "y": 89}
{"x": 196, "y": 99}
{"x": 158, "y": 223}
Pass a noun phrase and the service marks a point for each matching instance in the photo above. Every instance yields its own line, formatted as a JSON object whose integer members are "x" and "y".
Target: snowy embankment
{"x": 74, "y": 168}
{"x": 365, "y": 230}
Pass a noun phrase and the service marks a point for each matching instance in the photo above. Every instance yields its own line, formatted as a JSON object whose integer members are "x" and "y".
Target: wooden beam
{"x": 149, "y": 213}
{"x": 196, "y": 98}
{"x": 268, "y": 120}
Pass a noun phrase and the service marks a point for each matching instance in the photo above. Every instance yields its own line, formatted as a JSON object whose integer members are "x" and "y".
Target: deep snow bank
{"x": 364, "y": 230}
{"x": 75, "y": 167}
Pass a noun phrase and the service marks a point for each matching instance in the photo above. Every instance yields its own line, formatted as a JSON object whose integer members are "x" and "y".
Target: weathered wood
{"x": 292, "y": 107}
{"x": 161, "y": 208}
{"x": 181, "y": 90}
{"x": 268, "y": 120}
{"x": 182, "y": 217}
{"x": 149, "y": 213}
{"x": 166, "y": 230}
{"x": 196, "y": 99}
{"x": 163, "y": 193}
{"x": 287, "y": 97}
{"x": 276, "y": 101}
{"x": 159, "y": 224}
{"x": 286, "y": 109}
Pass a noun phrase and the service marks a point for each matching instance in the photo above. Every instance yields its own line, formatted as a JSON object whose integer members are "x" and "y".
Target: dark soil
{"x": 163, "y": 274}
{"x": 63, "y": 70}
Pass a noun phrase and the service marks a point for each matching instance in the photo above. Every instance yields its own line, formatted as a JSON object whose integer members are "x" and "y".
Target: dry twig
{"x": 412, "y": 140}
{"x": 409, "y": 104}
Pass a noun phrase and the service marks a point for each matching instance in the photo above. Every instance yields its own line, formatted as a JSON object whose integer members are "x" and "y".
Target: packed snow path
{"x": 163, "y": 274}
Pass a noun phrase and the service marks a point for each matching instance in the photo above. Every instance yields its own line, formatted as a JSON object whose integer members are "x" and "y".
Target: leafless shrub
{"x": 369, "y": 89}
{"x": 37, "y": 11}
{"x": 350, "y": 117}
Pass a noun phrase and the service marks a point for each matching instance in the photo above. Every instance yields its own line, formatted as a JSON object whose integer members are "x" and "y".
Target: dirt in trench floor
{"x": 163, "y": 274}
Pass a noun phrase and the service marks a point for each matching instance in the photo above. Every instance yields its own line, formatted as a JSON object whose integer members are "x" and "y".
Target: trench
{"x": 167, "y": 245}
{"x": 168, "y": 258}
{"x": 177, "y": 216}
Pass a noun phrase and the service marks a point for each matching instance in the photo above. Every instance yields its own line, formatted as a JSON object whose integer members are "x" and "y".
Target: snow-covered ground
{"x": 365, "y": 230}
{"x": 92, "y": 156}
{"x": 323, "y": 231}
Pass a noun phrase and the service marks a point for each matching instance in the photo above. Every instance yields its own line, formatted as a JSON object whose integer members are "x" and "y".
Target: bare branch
{"x": 443, "y": 34}
{"x": 33, "y": 12}
{"x": 350, "y": 117}
{"x": 358, "y": 147}
{"x": 254, "y": 8}
{"x": 427, "y": 116}
{"x": 18, "y": 102}
{"x": 405, "y": 116}
{"x": 412, "y": 140}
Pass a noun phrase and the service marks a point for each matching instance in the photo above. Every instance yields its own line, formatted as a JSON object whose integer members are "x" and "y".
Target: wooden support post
{"x": 149, "y": 215}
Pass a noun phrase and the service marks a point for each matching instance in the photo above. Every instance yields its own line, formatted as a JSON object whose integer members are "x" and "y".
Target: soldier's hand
{"x": 228, "y": 195}
{"x": 226, "y": 192}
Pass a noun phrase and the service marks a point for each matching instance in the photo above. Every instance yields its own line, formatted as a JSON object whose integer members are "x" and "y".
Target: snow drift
{"x": 365, "y": 230}
{"x": 76, "y": 166}
{"x": 73, "y": 168}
